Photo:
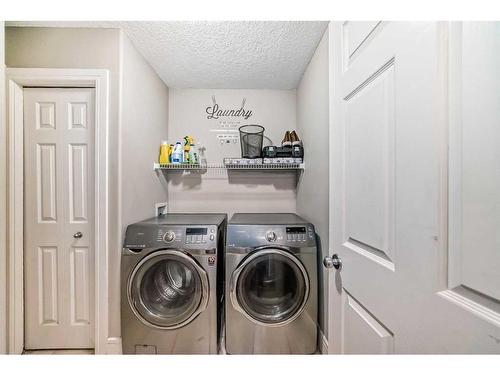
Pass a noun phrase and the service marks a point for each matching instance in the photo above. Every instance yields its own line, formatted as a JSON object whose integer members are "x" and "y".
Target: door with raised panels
{"x": 406, "y": 284}
{"x": 59, "y": 218}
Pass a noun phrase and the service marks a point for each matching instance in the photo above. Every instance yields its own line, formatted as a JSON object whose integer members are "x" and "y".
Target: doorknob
{"x": 333, "y": 261}
{"x": 78, "y": 235}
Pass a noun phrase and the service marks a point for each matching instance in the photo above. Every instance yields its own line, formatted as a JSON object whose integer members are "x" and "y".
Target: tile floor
{"x": 60, "y": 351}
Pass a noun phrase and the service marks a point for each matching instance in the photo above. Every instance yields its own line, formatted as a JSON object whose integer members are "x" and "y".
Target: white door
{"x": 402, "y": 288}
{"x": 59, "y": 218}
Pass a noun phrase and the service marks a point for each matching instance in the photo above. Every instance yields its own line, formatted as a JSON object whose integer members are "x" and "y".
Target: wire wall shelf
{"x": 222, "y": 166}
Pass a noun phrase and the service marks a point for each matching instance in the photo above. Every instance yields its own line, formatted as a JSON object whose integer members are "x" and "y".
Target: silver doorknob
{"x": 332, "y": 261}
{"x": 78, "y": 235}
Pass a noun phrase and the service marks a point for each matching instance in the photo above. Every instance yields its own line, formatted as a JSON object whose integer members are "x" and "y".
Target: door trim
{"x": 333, "y": 295}
{"x": 16, "y": 80}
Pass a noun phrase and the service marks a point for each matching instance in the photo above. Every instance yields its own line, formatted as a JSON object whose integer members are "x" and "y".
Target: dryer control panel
{"x": 262, "y": 235}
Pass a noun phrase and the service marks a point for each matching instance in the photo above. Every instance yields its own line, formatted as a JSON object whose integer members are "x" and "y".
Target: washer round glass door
{"x": 168, "y": 289}
{"x": 270, "y": 287}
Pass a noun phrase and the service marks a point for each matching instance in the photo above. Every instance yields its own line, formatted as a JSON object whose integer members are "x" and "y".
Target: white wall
{"x": 28, "y": 47}
{"x": 3, "y": 199}
{"x": 144, "y": 108}
{"x": 78, "y": 48}
{"x": 234, "y": 191}
{"x": 144, "y": 116}
{"x": 138, "y": 121}
{"x": 313, "y": 127}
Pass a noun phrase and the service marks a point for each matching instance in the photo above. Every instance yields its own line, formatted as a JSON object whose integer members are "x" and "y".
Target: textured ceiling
{"x": 239, "y": 54}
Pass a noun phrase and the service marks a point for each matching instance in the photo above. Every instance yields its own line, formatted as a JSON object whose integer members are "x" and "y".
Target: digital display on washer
{"x": 293, "y": 230}
{"x": 195, "y": 231}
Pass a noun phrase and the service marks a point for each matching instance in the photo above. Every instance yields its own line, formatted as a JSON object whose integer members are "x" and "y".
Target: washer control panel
{"x": 199, "y": 235}
{"x": 271, "y": 236}
{"x": 192, "y": 237}
{"x": 140, "y": 236}
{"x": 299, "y": 234}
{"x": 169, "y": 237}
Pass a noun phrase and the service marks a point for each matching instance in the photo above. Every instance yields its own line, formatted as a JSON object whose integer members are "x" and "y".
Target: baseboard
{"x": 324, "y": 343}
{"x": 114, "y": 345}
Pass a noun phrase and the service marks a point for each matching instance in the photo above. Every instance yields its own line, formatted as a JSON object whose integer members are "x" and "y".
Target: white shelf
{"x": 198, "y": 167}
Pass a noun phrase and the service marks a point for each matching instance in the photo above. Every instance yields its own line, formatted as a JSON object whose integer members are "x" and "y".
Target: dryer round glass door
{"x": 270, "y": 287}
{"x": 168, "y": 289}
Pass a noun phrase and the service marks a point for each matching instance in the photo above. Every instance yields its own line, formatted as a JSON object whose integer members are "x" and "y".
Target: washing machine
{"x": 172, "y": 284}
{"x": 271, "y": 303}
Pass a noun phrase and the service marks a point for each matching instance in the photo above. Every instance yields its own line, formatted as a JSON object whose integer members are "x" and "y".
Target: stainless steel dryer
{"x": 169, "y": 291}
{"x": 271, "y": 285}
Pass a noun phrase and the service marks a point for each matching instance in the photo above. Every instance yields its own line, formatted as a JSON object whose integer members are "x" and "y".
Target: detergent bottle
{"x": 177, "y": 154}
{"x": 164, "y": 155}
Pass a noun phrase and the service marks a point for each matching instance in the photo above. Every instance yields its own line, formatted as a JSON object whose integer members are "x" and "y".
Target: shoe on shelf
{"x": 287, "y": 141}
{"x": 294, "y": 138}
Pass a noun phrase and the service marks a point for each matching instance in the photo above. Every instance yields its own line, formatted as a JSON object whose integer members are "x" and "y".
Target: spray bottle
{"x": 188, "y": 140}
{"x": 193, "y": 154}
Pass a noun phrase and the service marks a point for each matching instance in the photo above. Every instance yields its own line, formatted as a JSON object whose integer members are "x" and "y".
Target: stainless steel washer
{"x": 271, "y": 283}
{"x": 171, "y": 284}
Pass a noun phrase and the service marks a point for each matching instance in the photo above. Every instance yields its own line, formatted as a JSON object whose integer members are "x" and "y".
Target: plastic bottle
{"x": 202, "y": 159}
{"x": 177, "y": 154}
{"x": 193, "y": 154}
{"x": 170, "y": 151}
{"x": 164, "y": 157}
{"x": 188, "y": 140}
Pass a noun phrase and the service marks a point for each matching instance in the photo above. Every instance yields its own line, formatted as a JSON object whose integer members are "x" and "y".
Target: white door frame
{"x": 334, "y": 317}
{"x": 16, "y": 80}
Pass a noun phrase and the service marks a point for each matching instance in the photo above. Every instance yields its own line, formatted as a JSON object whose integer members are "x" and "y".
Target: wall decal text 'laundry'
{"x": 215, "y": 111}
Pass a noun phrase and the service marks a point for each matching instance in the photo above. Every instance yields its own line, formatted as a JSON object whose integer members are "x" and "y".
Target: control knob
{"x": 271, "y": 236}
{"x": 169, "y": 236}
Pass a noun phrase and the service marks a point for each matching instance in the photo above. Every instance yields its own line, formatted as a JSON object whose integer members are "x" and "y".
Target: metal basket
{"x": 251, "y": 138}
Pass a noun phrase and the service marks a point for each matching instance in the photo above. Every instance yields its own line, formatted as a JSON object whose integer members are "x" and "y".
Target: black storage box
{"x": 296, "y": 151}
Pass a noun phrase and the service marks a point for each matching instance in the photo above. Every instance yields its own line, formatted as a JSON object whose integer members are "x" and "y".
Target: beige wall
{"x": 144, "y": 118}
{"x": 28, "y": 47}
{"x": 147, "y": 106}
{"x": 234, "y": 191}
{"x": 138, "y": 121}
{"x": 312, "y": 125}
{"x": 3, "y": 199}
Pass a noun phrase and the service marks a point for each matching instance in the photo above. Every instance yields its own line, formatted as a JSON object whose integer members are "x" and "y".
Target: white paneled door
{"x": 59, "y": 218}
{"x": 404, "y": 285}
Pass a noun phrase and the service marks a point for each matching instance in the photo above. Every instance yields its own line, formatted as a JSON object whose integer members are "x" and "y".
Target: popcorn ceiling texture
{"x": 226, "y": 54}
